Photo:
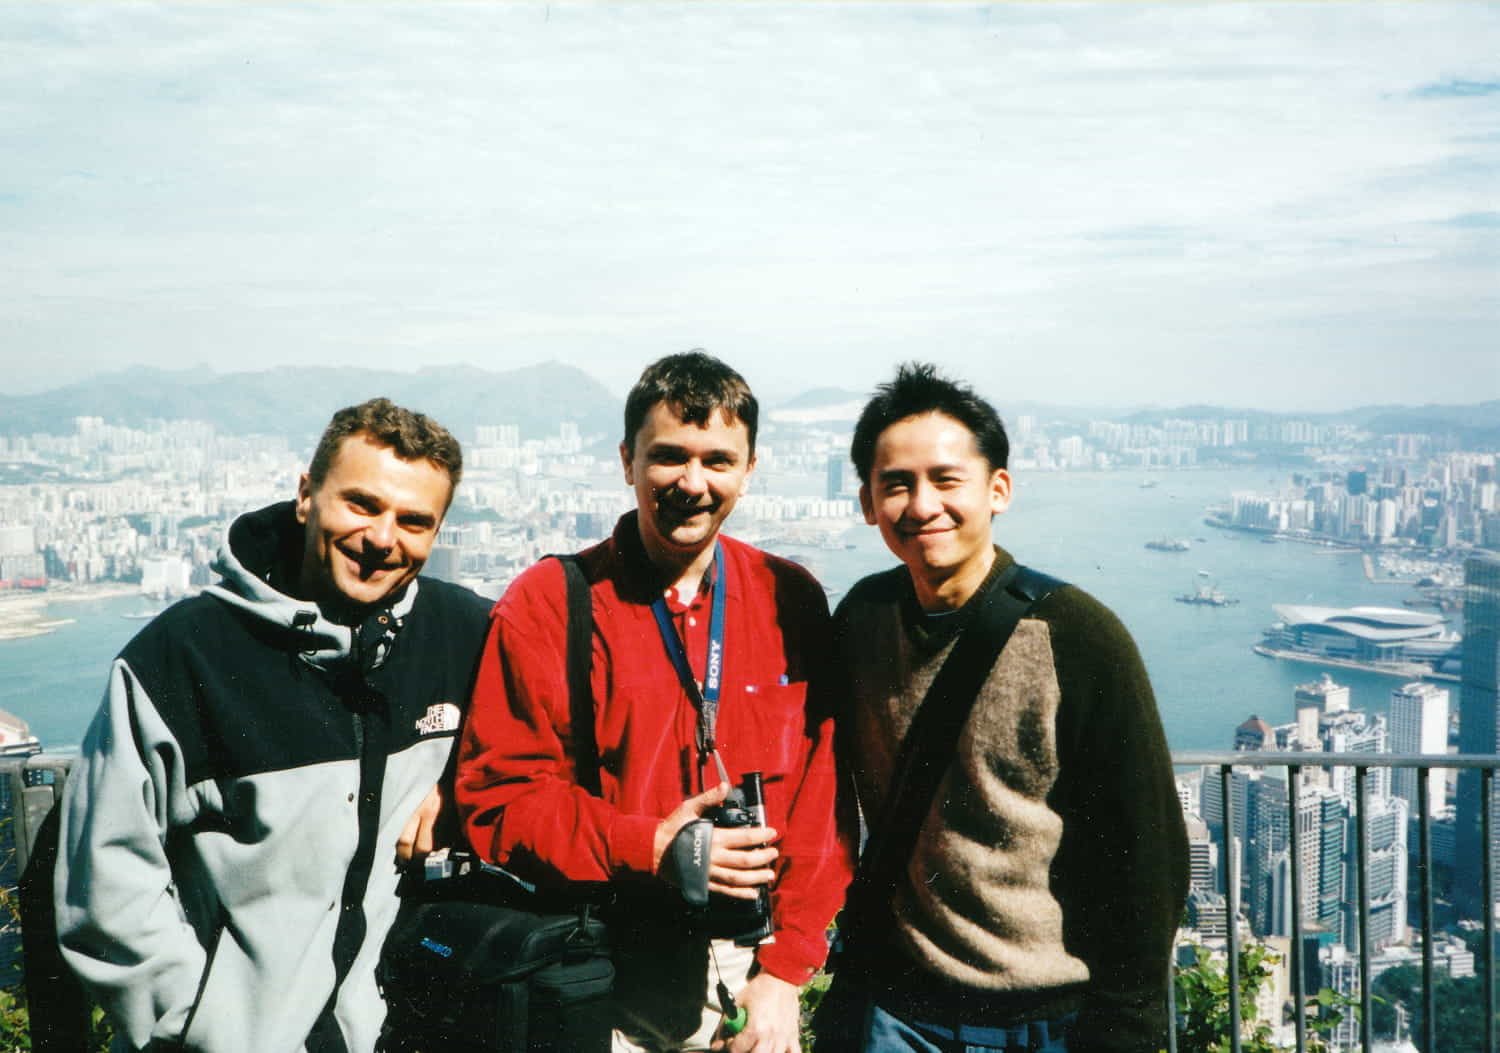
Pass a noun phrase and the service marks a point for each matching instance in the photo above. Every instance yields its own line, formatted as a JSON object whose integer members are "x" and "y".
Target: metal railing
{"x": 1361, "y": 763}
{"x": 35, "y": 784}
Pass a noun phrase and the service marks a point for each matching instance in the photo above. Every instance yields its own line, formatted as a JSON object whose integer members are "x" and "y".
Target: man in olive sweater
{"x": 1038, "y": 908}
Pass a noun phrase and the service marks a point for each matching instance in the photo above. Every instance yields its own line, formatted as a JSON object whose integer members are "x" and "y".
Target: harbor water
{"x": 1088, "y": 528}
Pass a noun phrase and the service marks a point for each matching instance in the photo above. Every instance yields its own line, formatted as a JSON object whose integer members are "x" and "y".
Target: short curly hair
{"x": 413, "y": 436}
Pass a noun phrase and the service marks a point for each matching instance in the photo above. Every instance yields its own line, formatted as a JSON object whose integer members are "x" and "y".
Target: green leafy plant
{"x": 1202, "y": 989}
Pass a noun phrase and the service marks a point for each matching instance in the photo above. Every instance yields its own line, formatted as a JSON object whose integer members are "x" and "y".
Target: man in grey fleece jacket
{"x": 1038, "y": 908}
{"x": 227, "y": 871}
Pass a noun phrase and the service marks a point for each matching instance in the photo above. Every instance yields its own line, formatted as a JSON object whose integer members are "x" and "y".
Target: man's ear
{"x": 999, "y": 491}
{"x": 866, "y": 505}
{"x": 304, "y": 497}
{"x": 626, "y": 461}
{"x": 749, "y": 471}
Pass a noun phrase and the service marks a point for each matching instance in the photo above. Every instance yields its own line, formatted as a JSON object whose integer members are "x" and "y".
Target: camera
{"x": 746, "y": 921}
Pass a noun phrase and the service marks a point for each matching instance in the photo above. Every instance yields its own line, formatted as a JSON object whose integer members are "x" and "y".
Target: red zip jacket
{"x": 515, "y": 786}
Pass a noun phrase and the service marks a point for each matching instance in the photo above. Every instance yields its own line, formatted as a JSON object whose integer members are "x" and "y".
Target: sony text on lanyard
{"x": 706, "y": 698}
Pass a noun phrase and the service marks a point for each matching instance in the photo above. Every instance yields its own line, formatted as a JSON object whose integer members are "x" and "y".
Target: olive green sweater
{"x": 1051, "y": 871}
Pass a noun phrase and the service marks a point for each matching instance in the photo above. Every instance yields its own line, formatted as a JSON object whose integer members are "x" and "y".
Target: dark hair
{"x": 413, "y": 436}
{"x": 917, "y": 389}
{"x": 693, "y": 384}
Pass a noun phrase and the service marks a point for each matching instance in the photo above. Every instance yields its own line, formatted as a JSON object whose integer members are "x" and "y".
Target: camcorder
{"x": 745, "y": 921}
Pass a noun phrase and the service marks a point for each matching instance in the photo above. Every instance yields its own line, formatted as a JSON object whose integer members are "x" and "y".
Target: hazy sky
{"x": 1289, "y": 206}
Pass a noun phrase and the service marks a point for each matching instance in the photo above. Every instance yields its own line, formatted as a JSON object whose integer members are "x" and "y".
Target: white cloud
{"x": 1262, "y": 195}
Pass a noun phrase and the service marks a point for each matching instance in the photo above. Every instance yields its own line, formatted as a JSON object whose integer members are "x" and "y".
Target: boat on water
{"x": 1169, "y": 544}
{"x": 1206, "y": 594}
{"x": 144, "y": 614}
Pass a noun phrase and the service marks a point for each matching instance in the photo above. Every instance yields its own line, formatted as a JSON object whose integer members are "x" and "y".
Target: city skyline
{"x": 1288, "y": 208}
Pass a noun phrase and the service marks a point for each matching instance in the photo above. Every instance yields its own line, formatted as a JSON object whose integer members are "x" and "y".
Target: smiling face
{"x": 369, "y": 524}
{"x": 687, "y": 478}
{"x": 932, "y": 494}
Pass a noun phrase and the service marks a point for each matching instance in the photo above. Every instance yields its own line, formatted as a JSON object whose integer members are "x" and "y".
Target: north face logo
{"x": 443, "y": 716}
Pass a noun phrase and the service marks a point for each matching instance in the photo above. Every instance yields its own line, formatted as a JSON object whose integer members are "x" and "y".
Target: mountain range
{"x": 296, "y": 403}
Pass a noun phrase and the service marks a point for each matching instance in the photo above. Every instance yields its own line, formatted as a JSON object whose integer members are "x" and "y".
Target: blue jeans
{"x": 884, "y": 1032}
{"x": 851, "y": 1022}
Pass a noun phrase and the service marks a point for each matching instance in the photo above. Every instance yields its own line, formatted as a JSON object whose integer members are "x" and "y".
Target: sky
{"x": 1292, "y": 207}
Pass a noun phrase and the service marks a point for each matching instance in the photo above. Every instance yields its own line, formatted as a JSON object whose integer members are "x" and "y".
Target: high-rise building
{"x": 1203, "y": 856}
{"x": 1266, "y": 846}
{"x": 1320, "y": 846}
{"x": 1385, "y": 874}
{"x": 1324, "y": 695}
{"x": 835, "y": 477}
{"x": 1419, "y": 724}
{"x": 1478, "y": 725}
{"x": 1355, "y": 731}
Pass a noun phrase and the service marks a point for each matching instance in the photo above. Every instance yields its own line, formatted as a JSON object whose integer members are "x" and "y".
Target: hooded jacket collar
{"x": 260, "y": 550}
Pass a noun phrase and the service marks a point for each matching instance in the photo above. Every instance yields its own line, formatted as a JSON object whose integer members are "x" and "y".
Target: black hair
{"x": 693, "y": 384}
{"x": 919, "y": 388}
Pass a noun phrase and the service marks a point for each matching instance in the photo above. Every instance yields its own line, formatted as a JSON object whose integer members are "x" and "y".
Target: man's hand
{"x": 421, "y": 835}
{"x": 740, "y": 859}
{"x": 773, "y": 1018}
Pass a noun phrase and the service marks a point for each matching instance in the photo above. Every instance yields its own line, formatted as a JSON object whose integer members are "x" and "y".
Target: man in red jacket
{"x": 707, "y": 663}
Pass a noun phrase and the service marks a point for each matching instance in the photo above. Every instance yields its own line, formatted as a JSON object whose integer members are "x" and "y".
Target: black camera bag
{"x": 480, "y": 960}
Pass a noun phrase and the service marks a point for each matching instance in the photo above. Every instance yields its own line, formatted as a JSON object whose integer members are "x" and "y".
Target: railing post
{"x": 1231, "y": 907}
{"x": 1299, "y": 1001}
{"x": 1487, "y": 840}
{"x": 1362, "y": 847}
{"x": 1484, "y": 764}
{"x": 1424, "y": 866}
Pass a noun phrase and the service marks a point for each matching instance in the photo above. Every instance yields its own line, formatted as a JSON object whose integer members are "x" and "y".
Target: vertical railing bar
{"x": 1172, "y": 1004}
{"x": 1231, "y": 906}
{"x": 1487, "y": 843}
{"x": 16, "y": 776}
{"x": 1362, "y": 848}
{"x": 1299, "y": 1002}
{"x": 1424, "y": 864}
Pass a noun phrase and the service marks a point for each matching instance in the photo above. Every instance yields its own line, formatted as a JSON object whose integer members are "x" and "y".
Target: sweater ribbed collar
{"x": 932, "y": 633}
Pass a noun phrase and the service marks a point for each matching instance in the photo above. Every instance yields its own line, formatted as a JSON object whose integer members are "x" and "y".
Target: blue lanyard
{"x": 706, "y": 697}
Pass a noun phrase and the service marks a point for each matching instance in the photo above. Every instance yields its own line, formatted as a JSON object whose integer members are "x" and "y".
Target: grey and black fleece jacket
{"x": 227, "y": 870}
{"x": 1051, "y": 871}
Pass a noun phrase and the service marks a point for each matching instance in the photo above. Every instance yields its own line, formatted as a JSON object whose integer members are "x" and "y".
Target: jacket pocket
{"x": 768, "y": 733}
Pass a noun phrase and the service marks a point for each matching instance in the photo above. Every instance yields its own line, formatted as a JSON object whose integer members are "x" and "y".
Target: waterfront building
{"x": 1419, "y": 724}
{"x": 1324, "y": 698}
{"x": 1383, "y": 639}
{"x": 1478, "y": 725}
{"x": 1253, "y": 734}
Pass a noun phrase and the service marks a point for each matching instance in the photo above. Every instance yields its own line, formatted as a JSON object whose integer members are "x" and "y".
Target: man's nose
{"x": 924, "y": 504}
{"x": 380, "y": 532}
{"x": 693, "y": 480}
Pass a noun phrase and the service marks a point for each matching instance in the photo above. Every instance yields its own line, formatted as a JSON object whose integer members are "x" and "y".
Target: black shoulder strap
{"x": 580, "y": 659}
{"x": 926, "y": 752}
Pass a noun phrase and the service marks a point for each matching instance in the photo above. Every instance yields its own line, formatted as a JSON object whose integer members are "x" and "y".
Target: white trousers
{"x": 733, "y": 968}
